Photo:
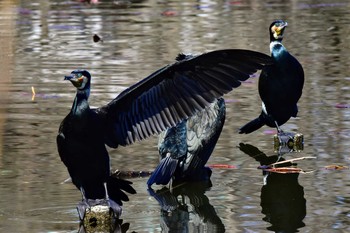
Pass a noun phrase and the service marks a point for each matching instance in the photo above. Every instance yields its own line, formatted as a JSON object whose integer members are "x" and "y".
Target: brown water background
{"x": 41, "y": 41}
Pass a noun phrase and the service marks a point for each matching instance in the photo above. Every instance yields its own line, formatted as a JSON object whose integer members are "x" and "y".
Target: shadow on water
{"x": 185, "y": 207}
{"x": 282, "y": 197}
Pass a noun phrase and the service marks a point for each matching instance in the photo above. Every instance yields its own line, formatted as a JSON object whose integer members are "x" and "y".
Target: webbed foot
{"x": 81, "y": 207}
{"x": 285, "y": 138}
{"x": 117, "y": 209}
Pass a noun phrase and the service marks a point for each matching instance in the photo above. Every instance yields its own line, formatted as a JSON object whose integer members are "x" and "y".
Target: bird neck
{"x": 80, "y": 104}
{"x": 277, "y": 49}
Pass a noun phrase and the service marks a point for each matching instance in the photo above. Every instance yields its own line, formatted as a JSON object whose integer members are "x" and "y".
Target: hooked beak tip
{"x": 69, "y": 77}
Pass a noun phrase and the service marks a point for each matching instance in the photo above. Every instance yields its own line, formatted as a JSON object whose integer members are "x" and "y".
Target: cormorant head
{"x": 80, "y": 79}
{"x": 277, "y": 29}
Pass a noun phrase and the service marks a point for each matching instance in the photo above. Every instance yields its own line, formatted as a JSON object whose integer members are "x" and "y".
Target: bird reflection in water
{"x": 186, "y": 208}
{"x": 282, "y": 197}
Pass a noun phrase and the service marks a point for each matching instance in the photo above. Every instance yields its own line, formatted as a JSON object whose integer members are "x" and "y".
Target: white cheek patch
{"x": 275, "y": 35}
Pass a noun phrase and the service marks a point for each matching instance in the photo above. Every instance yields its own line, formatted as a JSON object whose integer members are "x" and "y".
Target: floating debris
{"x": 33, "y": 93}
{"x": 292, "y": 160}
{"x": 292, "y": 169}
{"x": 169, "y": 13}
{"x": 131, "y": 174}
{"x": 222, "y": 166}
{"x": 335, "y": 167}
{"x": 342, "y": 105}
{"x": 285, "y": 170}
{"x": 96, "y": 38}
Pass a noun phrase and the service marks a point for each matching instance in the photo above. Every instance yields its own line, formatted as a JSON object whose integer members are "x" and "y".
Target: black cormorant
{"x": 161, "y": 100}
{"x": 280, "y": 84}
{"x": 186, "y": 148}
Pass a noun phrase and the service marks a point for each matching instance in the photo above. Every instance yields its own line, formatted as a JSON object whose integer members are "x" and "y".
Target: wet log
{"x": 130, "y": 174}
{"x": 288, "y": 142}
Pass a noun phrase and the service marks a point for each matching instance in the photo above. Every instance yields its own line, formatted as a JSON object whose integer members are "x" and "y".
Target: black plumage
{"x": 185, "y": 149}
{"x": 280, "y": 84}
{"x": 161, "y": 100}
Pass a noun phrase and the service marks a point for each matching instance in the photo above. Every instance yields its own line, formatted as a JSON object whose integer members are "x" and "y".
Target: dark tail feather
{"x": 117, "y": 189}
{"x": 252, "y": 126}
{"x": 164, "y": 171}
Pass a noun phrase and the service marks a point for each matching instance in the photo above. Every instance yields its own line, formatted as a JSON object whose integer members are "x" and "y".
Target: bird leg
{"x": 117, "y": 210}
{"x": 283, "y": 137}
{"x": 280, "y": 133}
{"x": 279, "y": 130}
{"x": 83, "y": 205}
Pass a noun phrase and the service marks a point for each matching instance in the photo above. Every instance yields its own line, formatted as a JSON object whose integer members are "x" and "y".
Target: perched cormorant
{"x": 186, "y": 148}
{"x": 161, "y": 100}
{"x": 280, "y": 84}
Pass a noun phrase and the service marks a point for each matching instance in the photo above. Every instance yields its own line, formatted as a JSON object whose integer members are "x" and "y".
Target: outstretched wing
{"x": 176, "y": 92}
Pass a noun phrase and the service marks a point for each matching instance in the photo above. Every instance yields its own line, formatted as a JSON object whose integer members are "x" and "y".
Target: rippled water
{"x": 41, "y": 41}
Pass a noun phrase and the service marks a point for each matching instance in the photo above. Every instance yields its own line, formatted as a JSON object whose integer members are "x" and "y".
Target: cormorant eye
{"x": 79, "y": 75}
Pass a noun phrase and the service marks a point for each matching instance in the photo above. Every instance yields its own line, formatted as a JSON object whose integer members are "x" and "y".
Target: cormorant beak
{"x": 74, "y": 79}
{"x": 285, "y": 24}
{"x": 279, "y": 29}
{"x": 68, "y": 77}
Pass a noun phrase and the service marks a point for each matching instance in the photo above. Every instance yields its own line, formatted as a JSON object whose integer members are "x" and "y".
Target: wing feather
{"x": 175, "y": 92}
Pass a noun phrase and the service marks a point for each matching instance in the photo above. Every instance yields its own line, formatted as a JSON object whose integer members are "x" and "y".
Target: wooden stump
{"x": 288, "y": 142}
{"x": 99, "y": 217}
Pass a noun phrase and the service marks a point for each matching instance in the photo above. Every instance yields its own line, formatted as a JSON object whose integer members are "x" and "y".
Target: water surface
{"x": 41, "y": 41}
